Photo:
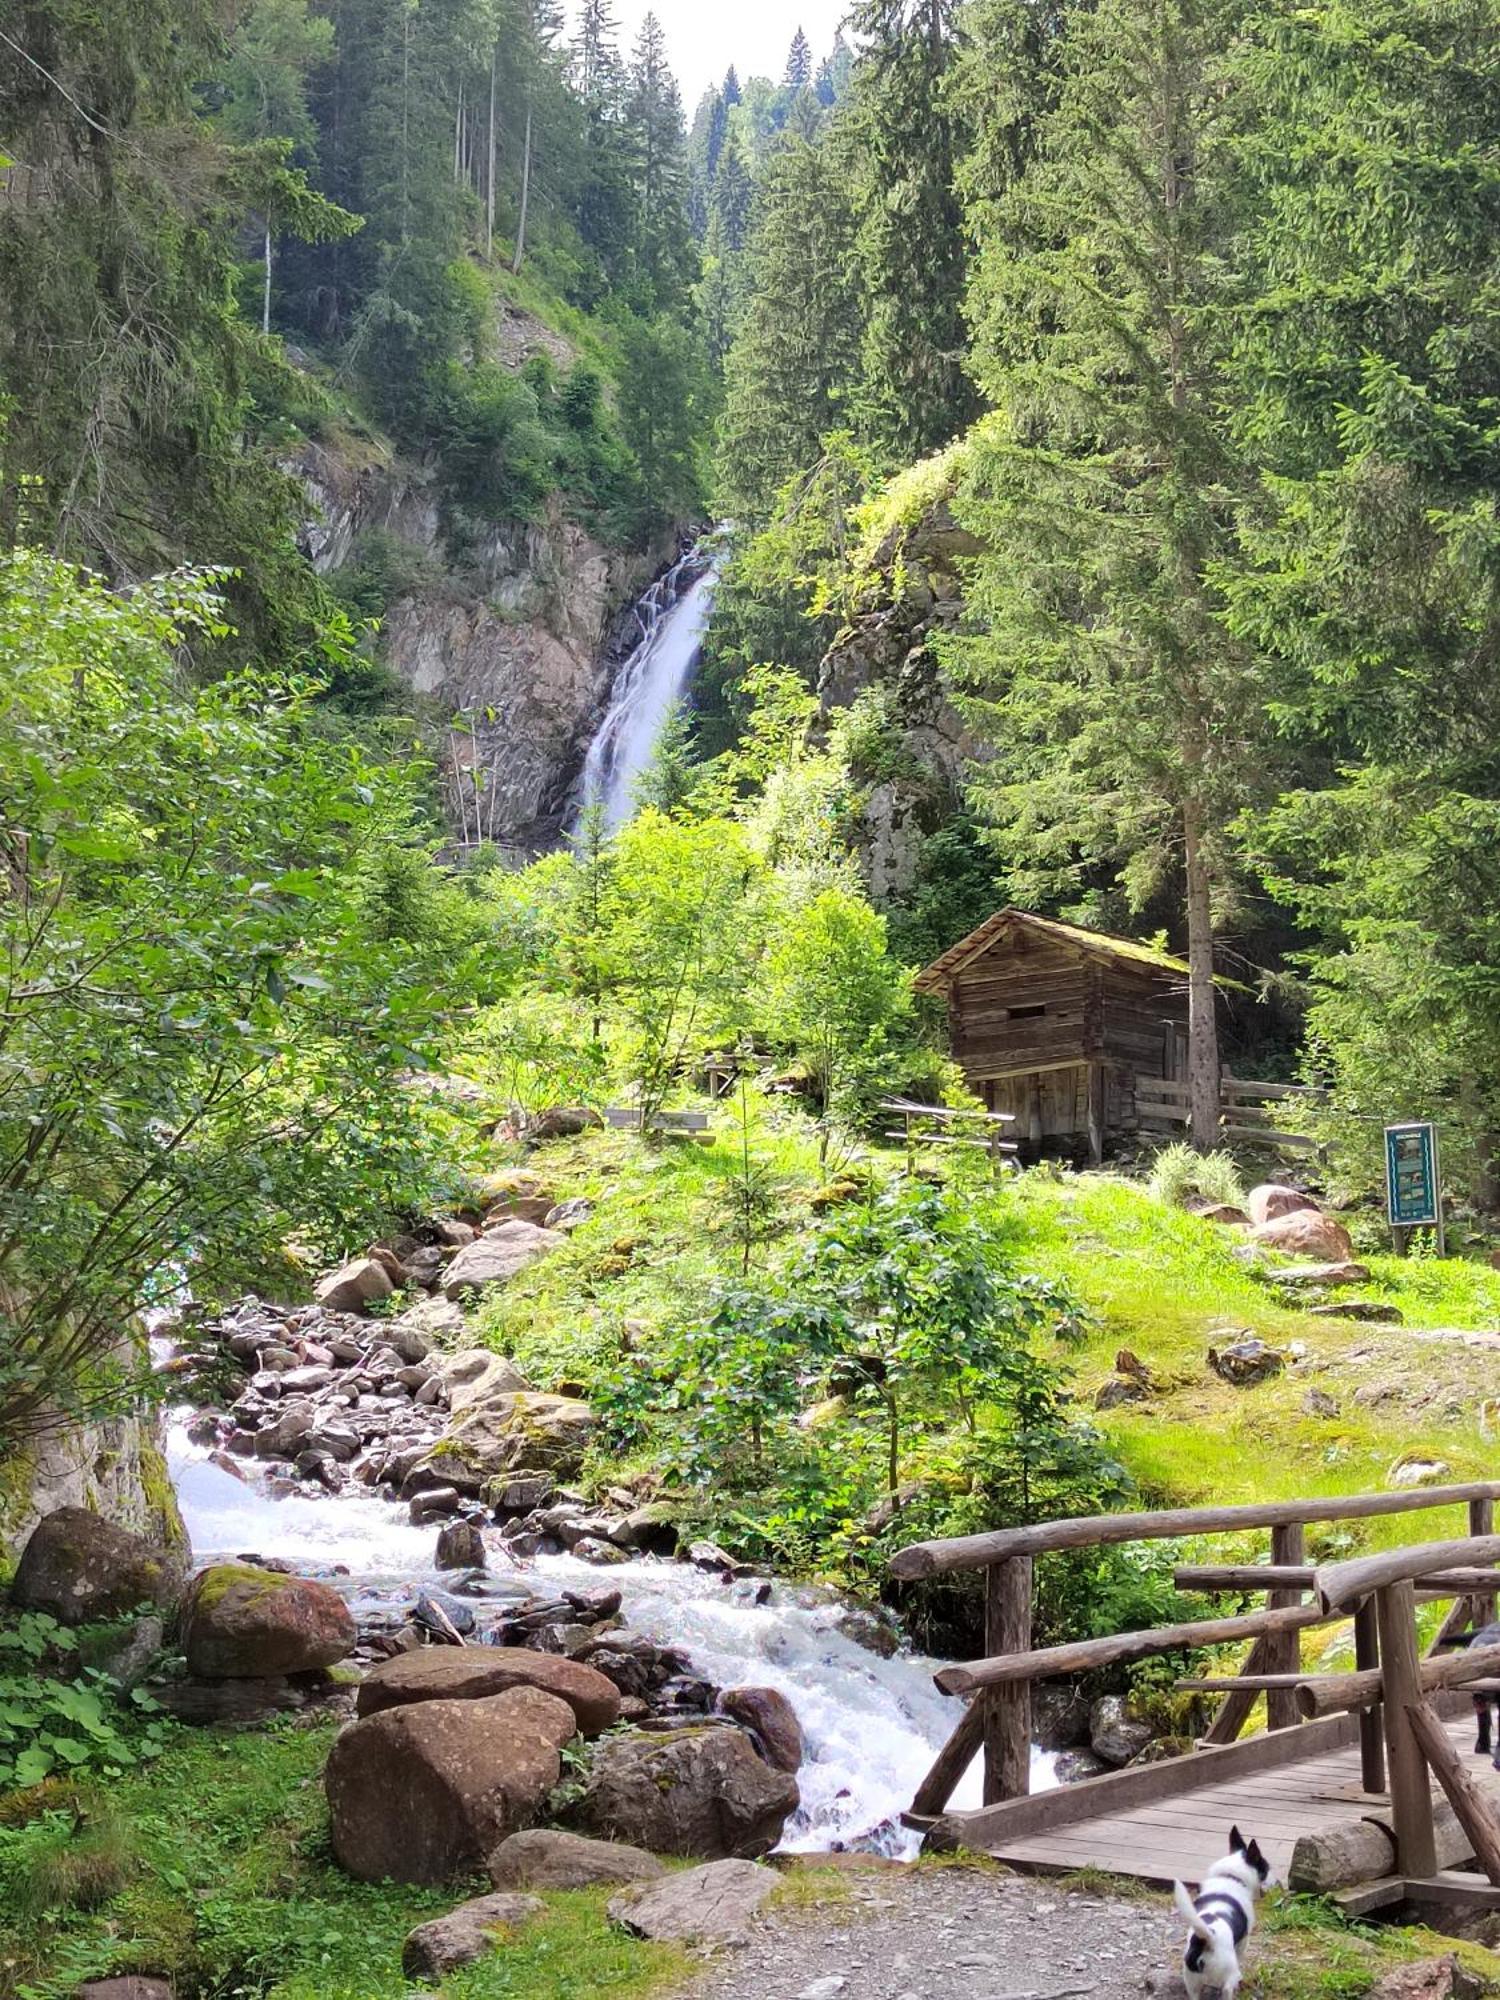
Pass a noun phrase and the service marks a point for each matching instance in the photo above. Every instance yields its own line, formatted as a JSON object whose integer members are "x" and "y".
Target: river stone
{"x": 240, "y": 1622}
{"x": 496, "y": 1257}
{"x": 285, "y": 1433}
{"x": 510, "y": 1433}
{"x": 1114, "y": 1735}
{"x": 771, "y": 1719}
{"x": 544, "y": 1858}
{"x": 437, "y": 1948}
{"x": 354, "y": 1286}
{"x": 476, "y": 1374}
{"x": 80, "y": 1568}
{"x": 1270, "y": 1201}
{"x": 425, "y": 1792}
{"x": 1305, "y": 1233}
{"x": 472, "y": 1673}
{"x": 461, "y": 1546}
{"x": 715, "y": 1904}
{"x": 699, "y": 1791}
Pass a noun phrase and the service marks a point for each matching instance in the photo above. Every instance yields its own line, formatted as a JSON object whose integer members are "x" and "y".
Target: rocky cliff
{"x": 512, "y": 631}
{"x": 114, "y": 1468}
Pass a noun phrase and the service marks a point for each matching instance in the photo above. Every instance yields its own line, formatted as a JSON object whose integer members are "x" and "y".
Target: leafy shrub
{"x": 493, "y": 444}
{"x": 382, "y": 569}
{"x": 1179, "y": 1173}
{"x": 54, "y": 1721}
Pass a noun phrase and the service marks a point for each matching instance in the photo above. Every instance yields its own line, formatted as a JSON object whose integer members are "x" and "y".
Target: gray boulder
{"x": 496, "y": 1257}
{"x": 1114, "y": 1734}
{"x": 716, "y": 1904}
{"x": 509, "y": 1433}
{"x": 79, "y": 1568}
{"x": 476, "y": 1374}
{"x": 461, "y": 1546}
{"x": 698, "y": 1792}
{"x": 544, "y": 1858}
{"x": 437, "y": 1948}
{"x": 354, "y": 1285}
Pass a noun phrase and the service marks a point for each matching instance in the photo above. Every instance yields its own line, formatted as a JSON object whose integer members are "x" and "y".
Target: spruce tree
{"x": 1129, "y": 725}
{"x": 798, "y": 64}
{"x": 916, "y": 394}
{"x": 653, "y": 113}
{"x": 797, "y": 349}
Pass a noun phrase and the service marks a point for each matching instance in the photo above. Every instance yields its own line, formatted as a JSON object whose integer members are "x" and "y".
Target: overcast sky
{"x": 705, "y": 36}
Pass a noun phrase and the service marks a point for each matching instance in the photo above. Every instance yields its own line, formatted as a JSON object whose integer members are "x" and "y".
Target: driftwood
{"x": 1348, "y": 1851}
{"x": 1089, "y": 1531}
{"x": 1330, "y": 1694}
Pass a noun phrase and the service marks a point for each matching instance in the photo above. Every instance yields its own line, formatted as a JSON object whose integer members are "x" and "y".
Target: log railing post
{"x": 1411, "y": 1788}
{"x": 1234, "y": 1709}
{"x": 1007, "y": 1709}
{"x": 1482, "y": 1522}
{"x": 1371, "y": 1739}
{"x": 1468, "y": 1802}
{"x": 1284, "y": 1650}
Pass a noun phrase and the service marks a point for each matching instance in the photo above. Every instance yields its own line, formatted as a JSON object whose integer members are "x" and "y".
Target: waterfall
{"x": 672, "y": 616}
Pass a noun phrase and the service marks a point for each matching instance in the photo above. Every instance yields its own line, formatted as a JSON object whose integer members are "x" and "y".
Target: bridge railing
{"x": 997, "y": 1722}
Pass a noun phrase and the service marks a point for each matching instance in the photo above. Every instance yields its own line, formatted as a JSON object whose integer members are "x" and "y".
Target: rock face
{"x": 772, "y": 1722}
{"x": 77, "y": 1568}
{"x": 112, "y": 1467}
{"x": 240, "y": 1622}
{"x": 435, "y": 1949}
{"x": 496, "y": 1257}
{"x": 1306, "y": 1233}
{"x": 354, "y": 1286}
{"x": 426, "y": 1792}
{"x": 698, "y": 1792}
{"x": 1270, "y": 1201}
{"x": 544, "y": 1858}
{"x": 511, "y": 1433}
{"x": 712, "y": 1905}
{"x": 473, "y": 1673}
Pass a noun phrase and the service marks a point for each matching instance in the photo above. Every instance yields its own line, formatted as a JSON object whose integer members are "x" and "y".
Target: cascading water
{"x": 871, "y": 1725}
{"x": 673, "y": 616}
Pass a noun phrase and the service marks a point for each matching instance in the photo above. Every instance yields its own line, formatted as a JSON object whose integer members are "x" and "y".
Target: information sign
{"x": 1412, "y": 1196}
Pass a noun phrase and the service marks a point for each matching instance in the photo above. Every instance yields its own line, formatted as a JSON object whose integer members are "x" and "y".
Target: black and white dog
{"x": 1220, "y": 1918}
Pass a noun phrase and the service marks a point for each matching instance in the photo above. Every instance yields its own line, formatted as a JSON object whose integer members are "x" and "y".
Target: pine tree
{"x": 731, "y": 87}
{"x": 1130, "y": 725}
{"x": 798, "y": 64}
{"x": 912, "y": 259}
{"x": 605, "y": 205}
{"x": 654, "y": 115}
{"x": 797, "y": 349}
{"x": 734, "y": 191}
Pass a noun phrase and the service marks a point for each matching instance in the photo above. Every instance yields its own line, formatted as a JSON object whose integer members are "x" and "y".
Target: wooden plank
{"x": 1411, "y": 1793}
{"x": 1284, "y": 1654}
{"x": 1210, "y": 1577}
{"x": 1369, "y": 1896}
{"x": 1119, "y": 1791}
{"x": 1007, "y": 1711}
{"x": 1450, "y": 1886}
{"x": 922, "y": 1559}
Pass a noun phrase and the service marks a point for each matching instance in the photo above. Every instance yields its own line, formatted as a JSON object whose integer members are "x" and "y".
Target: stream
{"x": 872, "y": 1726}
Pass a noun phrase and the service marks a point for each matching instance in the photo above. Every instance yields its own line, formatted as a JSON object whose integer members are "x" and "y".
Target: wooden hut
{"x": 1058, "y": 1025}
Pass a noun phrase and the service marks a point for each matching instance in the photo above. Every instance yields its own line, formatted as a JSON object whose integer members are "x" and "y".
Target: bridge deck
{"x": 1177, "y": 1838}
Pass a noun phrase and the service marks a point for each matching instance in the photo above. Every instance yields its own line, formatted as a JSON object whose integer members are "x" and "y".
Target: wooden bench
{"x": 629, "y": 1118}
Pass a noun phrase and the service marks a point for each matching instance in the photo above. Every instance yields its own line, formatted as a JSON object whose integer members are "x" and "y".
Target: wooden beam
{"x": 1211, "y": 1577}
{"x": 1411, "y": 1793}
{"x": 1007, "y": 1710}
{"x": 1482, "y": 1522}
{"x": 1458, "y": 1891}
{"x": 1138, "y": 1785}
{"x": 1329, "y": 1694}
{"x": 1227, "y": 1683}
{"x": 1371, "y": 1731}
{"x": 1084, "y": 1655}
{"x": 1288, "y": 1551}
{"x": 1236, "y": 1707}
{"x": 923, "y": 1559}
{"x": 1465, "y": 1797}
{"x": 1340, "y": 1585}
{"x": 955, "y": 1757}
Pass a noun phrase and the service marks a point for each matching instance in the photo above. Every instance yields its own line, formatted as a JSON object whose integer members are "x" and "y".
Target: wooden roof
{"x": 936, "y": 977}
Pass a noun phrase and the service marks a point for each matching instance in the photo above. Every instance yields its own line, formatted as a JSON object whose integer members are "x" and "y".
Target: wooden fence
{"x": 1254, "y": 1113}
{"x": 1378, "y": 1592}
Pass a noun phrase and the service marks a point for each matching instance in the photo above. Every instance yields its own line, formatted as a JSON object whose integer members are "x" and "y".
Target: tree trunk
{"x": 265, "y": 294}
{"x": 489, "y": 172}
{"x": 525, "y": 192}
{"x": 1203, "y": 1026}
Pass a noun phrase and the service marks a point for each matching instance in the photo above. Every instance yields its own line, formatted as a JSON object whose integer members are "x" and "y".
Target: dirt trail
{"x": 953, "y": 1934}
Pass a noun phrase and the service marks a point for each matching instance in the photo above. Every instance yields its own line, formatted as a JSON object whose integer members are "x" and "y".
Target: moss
{"x": 164, "y": 1523}
{"x": 215, "y": 1584}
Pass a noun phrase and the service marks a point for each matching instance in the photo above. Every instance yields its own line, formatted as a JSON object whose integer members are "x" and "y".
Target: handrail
{"x": 1339, "y": 1586}
{"x": 936, "y": 1558}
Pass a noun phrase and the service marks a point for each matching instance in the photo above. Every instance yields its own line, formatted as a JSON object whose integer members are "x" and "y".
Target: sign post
{"x": 1413, "y": 1197}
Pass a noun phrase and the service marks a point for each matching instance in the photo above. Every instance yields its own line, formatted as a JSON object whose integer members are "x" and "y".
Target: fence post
{"x": 1371, "y": 1738}
{"x": 1007, "y": 1709}
{"x": 1482, "y": 1522}
{"x": 1401, "y": 1689}
{"x": 1288, "y": 1545}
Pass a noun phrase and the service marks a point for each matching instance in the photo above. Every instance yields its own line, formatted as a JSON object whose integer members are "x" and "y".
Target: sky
{"x": 705, "y": 36}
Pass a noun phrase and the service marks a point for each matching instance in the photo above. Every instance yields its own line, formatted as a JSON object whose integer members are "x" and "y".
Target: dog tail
{"x": 1190, "y": 1916}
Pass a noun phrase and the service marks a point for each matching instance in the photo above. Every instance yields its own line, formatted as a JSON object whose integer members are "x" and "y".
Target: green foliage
{"x": 198, "y": 968}
{"x": 836, "y": 997}
{"x": 1178, "y": 1172}
{"x": 58, "y": 1717}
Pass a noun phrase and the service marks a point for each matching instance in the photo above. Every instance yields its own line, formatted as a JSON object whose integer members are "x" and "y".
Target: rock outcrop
{"x": 697, "y": 1792}
{"x": 716, "y": 1904}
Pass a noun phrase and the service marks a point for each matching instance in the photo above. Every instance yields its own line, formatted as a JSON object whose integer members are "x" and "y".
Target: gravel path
{"x": 953, "y": 1934}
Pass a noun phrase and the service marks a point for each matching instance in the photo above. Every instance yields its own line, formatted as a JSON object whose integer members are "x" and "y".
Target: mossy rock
{"x": 81, "y": 1569}
{"x": 244, "y": 1623}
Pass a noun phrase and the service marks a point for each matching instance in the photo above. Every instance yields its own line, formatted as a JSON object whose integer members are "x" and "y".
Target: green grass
{"x": 1307, "y": 1950}
{"x": 232, "y": 1890}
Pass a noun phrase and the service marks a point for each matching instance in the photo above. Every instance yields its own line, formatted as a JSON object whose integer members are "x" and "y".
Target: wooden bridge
{"x": 1339, "y": 1788}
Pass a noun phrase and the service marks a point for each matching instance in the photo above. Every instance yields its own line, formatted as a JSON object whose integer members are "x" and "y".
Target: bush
{"x": 1178, "y": 1173}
